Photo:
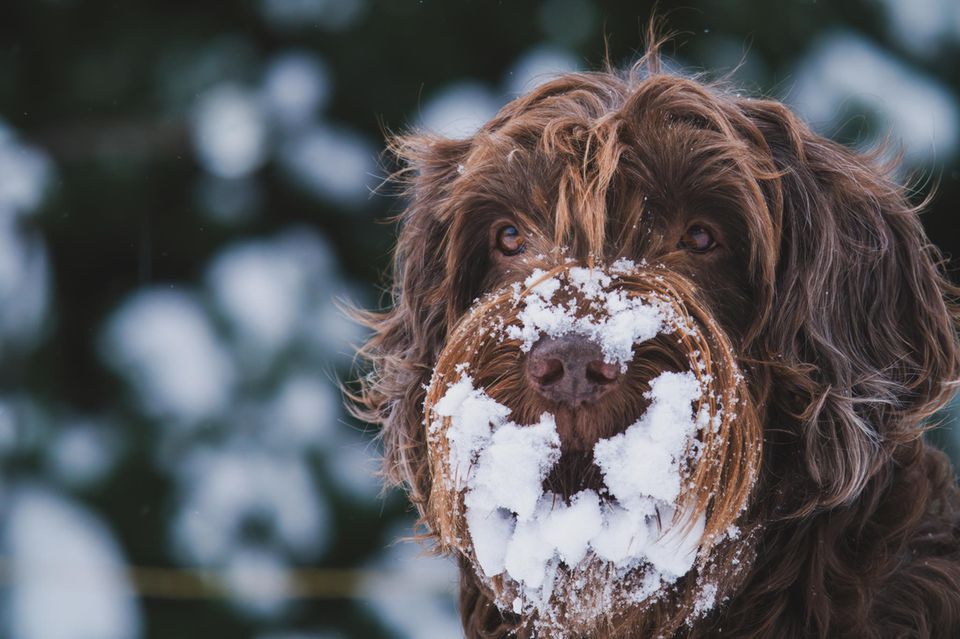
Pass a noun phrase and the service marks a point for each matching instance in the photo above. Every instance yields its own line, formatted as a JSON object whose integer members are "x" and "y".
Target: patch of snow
{"x": 9, "y": 435}
{"x": 411, "y": 593}
{"x": 511, "y": 465}
{"x": 162, "y": 341}
{"x": 331, "y": 163}
{"x": 459, "y": 110}
{"x": 224, "y": 490}
{"x": 82, "y": 452}
{"x": 923, "y": 26}
{"x": 706, "y": 600}
{"x": 296, "y": 85}
{"x": 843, "y": 68}
{"x": 24, "y": 284}
{"x": 538, "y": 65}
{"x": 660, "y": 438}
{"x": 280, "y": 291}
{"x": 229, "y": 131}
{"x": 518, "y": 529}
{"x": 617, "y": 322}
{"x": 259, "y": 287}
{"x": 355, "y": 467}
{"x": 258, "y": 581}
{"x": 25, "y": 174}
{"x": 302, "y": 414}
{"x": 67, "y": 575}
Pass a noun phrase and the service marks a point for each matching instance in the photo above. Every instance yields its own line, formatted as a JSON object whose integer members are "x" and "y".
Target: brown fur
{"x": 826, "y": 290}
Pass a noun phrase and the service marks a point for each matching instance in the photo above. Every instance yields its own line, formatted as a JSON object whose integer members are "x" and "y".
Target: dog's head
{"x": 635, "y": 317}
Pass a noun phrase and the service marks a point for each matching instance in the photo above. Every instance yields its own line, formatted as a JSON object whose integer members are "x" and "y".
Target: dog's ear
{"x": 860, "y": 337}
{"x": 408, "y": 335}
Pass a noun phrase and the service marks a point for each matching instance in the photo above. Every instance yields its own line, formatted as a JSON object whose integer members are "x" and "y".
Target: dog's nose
{"x": 570, "y": 370}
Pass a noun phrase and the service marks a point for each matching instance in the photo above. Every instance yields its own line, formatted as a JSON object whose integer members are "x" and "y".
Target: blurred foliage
{"x": 109, "y": 91}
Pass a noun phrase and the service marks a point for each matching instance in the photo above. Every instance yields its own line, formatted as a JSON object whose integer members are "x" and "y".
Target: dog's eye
{"x": 509, "y": 240}
{"x": 697, "y": 240}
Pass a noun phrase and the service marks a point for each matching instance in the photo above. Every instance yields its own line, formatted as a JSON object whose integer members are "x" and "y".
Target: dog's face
{"x": 586, "y": 280}
{"x": 635, "y": 319}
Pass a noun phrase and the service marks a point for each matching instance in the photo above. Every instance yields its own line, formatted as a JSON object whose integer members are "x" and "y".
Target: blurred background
{"x": 186, "y": 188}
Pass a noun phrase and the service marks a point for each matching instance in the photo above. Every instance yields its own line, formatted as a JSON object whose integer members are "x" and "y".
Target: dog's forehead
{"x": 608, "y": 181}
{"x": 601, "y": 148}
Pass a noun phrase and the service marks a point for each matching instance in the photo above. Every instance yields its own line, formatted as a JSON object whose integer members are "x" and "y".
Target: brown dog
{"x": 659, "y": 364}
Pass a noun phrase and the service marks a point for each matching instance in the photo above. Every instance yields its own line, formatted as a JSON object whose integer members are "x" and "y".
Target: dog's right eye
{"x": 697, "y": 240}
{"x": 509, "y": 240}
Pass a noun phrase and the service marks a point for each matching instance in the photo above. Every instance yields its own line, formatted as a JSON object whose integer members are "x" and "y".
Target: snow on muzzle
{"x": 677, "y": 449}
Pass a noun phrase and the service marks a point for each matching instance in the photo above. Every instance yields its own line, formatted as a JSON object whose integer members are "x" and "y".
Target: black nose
{"x": 570, "y": 370}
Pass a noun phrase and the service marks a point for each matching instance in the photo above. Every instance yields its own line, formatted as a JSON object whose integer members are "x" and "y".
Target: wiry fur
{"x": 830, "y": 293}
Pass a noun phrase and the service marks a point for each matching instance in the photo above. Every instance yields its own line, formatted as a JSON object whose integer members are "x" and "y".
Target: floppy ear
{"x": 408, "y": 336}
{"x": 861, "y": 336}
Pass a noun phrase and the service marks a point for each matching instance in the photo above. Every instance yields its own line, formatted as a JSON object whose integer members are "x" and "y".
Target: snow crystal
{"x": 590, "y": 281}
{"x": 619, "y": 322}
{"x": 706, "y": 599}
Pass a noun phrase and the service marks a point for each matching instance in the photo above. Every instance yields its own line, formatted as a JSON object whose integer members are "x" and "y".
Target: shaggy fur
{"x": 823, "y": 284}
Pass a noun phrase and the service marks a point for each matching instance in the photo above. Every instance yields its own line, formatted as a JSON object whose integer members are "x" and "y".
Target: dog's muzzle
{"x": 591, "y": 442}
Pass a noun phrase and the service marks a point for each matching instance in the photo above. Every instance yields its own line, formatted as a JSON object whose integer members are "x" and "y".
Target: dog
{"x": 659, "y": 362}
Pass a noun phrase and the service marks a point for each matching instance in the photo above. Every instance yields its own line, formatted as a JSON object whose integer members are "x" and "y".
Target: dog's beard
{"x": 524, "y": 532}
{"x": 567, "y": 529}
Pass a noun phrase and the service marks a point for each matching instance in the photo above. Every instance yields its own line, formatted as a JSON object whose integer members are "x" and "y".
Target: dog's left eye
{"x": 696, "y": 240}
{"x": 509, "y": 240}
